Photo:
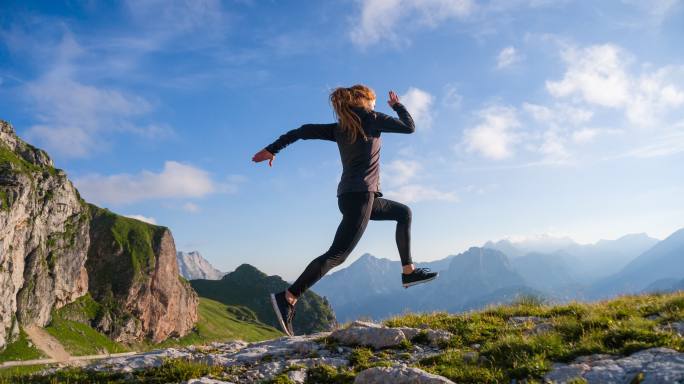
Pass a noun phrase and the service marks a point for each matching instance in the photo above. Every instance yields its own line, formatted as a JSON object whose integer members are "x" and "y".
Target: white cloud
{"x": 558, "y": 114}
{"x": 191, "y": 207}
{"x": 176, "y": 180}
{"x": 596, "y": 74}
{"x": 74, "y": 117}
{"x": 413, "y": 193}
{"x": 451, "y": 98}
{"x": 419, "y": 104}
{"x": 665, "y": 145}
{"x": 657, "y": 10}
{"x": 379, "y": 18}
{"x": 401, "y": 171}
{"x": 599, "y": 75}
{"x": 149, "y": 220}
{"x": 584, "y": 135}
{"x": 495, "y": 136}
{"x": 164, "y": 20}
{"x": 553, "y": 146}
{"x": 507, "y": 57}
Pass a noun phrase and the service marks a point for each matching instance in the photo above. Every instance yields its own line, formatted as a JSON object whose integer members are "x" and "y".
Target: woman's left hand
{"x": 263, "y": 155}
{"x": 393, "y": 99}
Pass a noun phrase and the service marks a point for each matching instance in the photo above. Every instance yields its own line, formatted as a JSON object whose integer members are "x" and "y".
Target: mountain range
{"x": 554, "y": 269}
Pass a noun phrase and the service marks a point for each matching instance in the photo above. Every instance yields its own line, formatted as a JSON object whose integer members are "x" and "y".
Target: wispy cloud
{"x": 495, "y": 135}
{"x": 191, "y": 207}
{"x": 149, "y": 220}
{"x": 507, "y": 57}
{"x": 419, "y": 103}
{"x": 401, "y": 171}
{"x": 599, "y": 75}
{"x": 413, "y": 193}
{"x": 378, "y": 18}
{"x": 176, "y": 180}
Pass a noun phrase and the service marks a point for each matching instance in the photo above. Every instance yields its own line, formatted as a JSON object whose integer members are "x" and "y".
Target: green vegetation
{"x": 326, "y": 374}
{"x": 4, "y": 200}
{"x": 20, "y": 350}
{"x": 507, "y": 351}
{"x": 249, "y": 287}
{"x": 70, "y": 325}
{"x": 171, "y": 371}
{"x": 10, "y": 374}
{"x": 12, "y": 160}
{"x": 135, "y": 240}
{"x": 121, "y": 255}
{"x": 218, "y": 322}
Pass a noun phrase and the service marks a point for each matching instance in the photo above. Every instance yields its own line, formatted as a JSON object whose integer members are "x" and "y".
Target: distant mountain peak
{"x": 247, "y": 270}
{"x": 193, "y": 266}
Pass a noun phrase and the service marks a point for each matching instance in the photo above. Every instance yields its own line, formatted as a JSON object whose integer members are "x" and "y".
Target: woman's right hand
{"x": 263, "y": 155}
{"x": 393, "y": 99}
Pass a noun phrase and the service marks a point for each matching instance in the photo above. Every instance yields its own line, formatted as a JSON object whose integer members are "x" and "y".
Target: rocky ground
{"x": 392, "y": 360}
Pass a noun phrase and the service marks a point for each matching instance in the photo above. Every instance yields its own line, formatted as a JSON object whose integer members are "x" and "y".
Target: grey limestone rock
{"x": 398, "y": 375}
{"x": 44, "y": 236}
{"x": 655, "y": 366}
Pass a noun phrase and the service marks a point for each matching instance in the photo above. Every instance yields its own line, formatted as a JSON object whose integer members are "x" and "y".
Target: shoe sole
{"x": 274, "y": 303}
{"x": 419, "y": 282}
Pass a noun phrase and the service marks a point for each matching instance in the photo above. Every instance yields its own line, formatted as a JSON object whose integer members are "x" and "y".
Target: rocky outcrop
{"x": 54, "y": 248}
{"x": 297, "y": 358}
{"x": 133, "y": 272}
{"x": 398, "y": 375}
{"x": 655, "y": 365}
{"x": 193, "y": 266}
{"x": 43, "y": 236}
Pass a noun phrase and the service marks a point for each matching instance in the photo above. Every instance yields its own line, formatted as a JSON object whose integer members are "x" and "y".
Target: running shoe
{"x": 284, "y": 312}
{"x": 418, "y": 276}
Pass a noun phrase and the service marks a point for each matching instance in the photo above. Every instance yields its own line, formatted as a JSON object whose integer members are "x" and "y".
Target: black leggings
{"x": 357, "y": 208}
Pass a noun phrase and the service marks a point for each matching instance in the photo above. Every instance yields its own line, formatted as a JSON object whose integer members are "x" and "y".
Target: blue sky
{"x": 533, "y": 116}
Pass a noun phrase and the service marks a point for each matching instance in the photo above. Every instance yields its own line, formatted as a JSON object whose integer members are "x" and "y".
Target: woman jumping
{"x": 357, "y": 134}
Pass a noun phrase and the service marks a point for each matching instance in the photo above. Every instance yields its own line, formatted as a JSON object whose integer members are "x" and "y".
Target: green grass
{"x": 620, "y": 326}
{"x": 219, "y": 322}
{"x": 171, "y": 371}
{"x": 80, "y": 339}
{"x": 249, "y": 287}
{"x": 20, "y": 350}
{"x": 70, "y": 325}
{"x": 135, "y": 238}
{"x": 10, "y": 374}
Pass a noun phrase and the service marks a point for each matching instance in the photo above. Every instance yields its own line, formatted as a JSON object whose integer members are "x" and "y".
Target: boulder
{"x": 369, "y": 334}
{"x": 398, "y": 375}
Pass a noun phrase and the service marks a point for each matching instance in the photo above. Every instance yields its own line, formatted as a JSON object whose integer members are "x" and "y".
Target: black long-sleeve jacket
{"x": 361, "y": 159}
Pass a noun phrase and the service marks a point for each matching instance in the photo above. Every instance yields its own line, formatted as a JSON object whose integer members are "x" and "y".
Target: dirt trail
{"x": 46, "y": 343}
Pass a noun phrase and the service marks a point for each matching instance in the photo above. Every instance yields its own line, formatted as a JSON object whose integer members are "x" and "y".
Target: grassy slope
{"x": 620, "y": 326}
{"x": 70, "y": 325}
{"x": 20, "y": 350}
{"x": 219, "y": 322}
{"x": 249, "y": 287}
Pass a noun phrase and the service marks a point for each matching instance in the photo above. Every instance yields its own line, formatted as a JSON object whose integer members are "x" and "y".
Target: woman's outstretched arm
{"x": 404, "y": 124}
{"x": 305, "y": 132}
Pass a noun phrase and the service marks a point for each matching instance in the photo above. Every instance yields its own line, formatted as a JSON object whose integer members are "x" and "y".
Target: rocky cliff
{"x": 54, "y": 247}
{"x": 43, "y": 236}
{"x": 132, "y": 271}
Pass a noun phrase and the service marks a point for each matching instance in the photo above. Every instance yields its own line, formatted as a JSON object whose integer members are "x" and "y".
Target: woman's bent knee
{"x": 406, "y": 215}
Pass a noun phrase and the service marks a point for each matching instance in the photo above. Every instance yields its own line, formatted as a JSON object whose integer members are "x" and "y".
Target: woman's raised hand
{"x": 393, "y": 99}
{"x": 263, "y": 155}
